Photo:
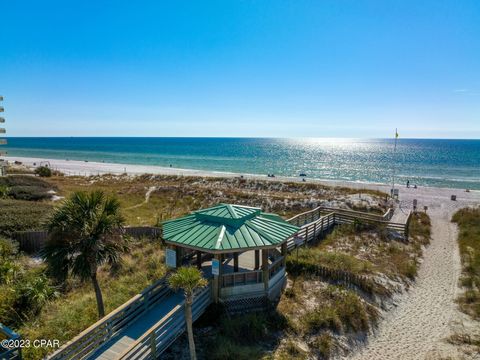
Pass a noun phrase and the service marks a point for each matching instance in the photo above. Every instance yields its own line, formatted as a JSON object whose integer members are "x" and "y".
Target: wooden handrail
{"x": 107, "y": 319}
{"x": 151, "y": 332}
{"x": 320, "y": 208}
{"x": 8, "y": 332}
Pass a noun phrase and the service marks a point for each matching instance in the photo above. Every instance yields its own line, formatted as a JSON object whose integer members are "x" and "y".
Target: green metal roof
{"x": 226, "y": 228}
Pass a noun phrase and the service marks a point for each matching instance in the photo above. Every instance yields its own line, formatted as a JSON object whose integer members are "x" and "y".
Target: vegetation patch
{"x": 175, "y": 196}
{"x": 18, "y": 215}
{"x": 468, "y": 221}
{"x": 24, "y": 187}
{"x": 74, "y": 308}
{"x": 244, "y": 337}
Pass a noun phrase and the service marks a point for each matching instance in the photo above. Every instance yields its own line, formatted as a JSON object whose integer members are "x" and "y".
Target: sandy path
{"x": 427, "y": 314}
{"x": 147, "y": 198}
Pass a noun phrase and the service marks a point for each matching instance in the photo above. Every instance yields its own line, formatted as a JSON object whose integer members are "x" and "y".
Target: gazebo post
{"x": 216, "y": 279}
{"x": 283, "y": 249}
{"x": 235, "y": 262}
{"x": 178, "y": 255}
{"x": 265, "y": 268}
{"x": 257, "y": 260}
{"x": 199, "y": 259}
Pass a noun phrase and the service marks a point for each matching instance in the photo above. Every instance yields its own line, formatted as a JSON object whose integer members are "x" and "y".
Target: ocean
{"x": 425, "y": 162}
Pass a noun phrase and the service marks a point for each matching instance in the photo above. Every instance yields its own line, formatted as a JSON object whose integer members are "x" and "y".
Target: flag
{"x": 396, "y": 134}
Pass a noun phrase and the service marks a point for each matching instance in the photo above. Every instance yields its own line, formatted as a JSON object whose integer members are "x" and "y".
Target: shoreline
{"x": 92, "y": 168}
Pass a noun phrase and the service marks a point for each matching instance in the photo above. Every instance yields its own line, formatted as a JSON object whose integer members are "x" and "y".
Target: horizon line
{"x": 233, "y": 137}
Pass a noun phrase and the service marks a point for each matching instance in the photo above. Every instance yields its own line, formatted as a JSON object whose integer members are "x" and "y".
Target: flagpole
{"x": 393, "y": 164}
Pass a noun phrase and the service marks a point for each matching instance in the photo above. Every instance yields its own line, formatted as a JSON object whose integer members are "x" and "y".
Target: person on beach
{"x": 408, "y": 183}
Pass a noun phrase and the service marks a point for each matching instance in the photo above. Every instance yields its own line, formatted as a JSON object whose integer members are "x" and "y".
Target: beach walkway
{"x": 427, "y": 315}
{"x": 116, "y": 346}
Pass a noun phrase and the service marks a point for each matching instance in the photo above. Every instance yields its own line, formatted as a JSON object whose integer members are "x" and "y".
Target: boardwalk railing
{"x": 312, "y": 230}
{"x": 161, "y": 335}
{"x": 241, "y": 278}
{"x": 311, "y": 215}
{"x": 250, "y": 277}
{"x": 88, "y": 341}
{"x": 11, "y": 352}
{"x": 321, "y": 219}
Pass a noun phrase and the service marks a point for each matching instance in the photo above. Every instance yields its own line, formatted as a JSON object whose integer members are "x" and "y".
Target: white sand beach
{"x": 425, "y": 316}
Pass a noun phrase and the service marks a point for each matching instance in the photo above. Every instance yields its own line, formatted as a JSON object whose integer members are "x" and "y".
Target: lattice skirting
{"x": 246, "y": 304}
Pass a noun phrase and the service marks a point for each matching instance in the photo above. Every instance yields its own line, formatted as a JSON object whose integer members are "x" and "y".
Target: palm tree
{"x": 84, "y": 233}
{"x": 188, "y": 279}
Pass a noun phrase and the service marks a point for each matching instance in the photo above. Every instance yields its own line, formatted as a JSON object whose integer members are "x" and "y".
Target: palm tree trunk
{"x": 189, "y": 321}
{"x": 98, "y": 295}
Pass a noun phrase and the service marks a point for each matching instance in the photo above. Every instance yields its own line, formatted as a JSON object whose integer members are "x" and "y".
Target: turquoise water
{"x": 443, "y": 163}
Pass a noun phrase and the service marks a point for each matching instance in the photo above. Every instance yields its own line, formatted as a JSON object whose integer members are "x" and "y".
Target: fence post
{"x": 153, "y": 345}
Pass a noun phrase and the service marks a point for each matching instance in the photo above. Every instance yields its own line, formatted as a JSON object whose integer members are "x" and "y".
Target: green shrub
{"x": 292, "y": 351}
{"x": 4, "y": 190}
{"x": 9, "y": 268}
{"x": 8, "y": 316}
{"x": 408, "y": 268}
{"x": 310, "y": 258}
{"x": 23, "y": 187}
{"x": 24, "y": 180}
{"x": 29, "y": 193}
{"x": 8, "y": 249}
{"x": 16, "y": 215}
{"x": 224, "y": 348}
{"x": 43, "y": 171}
{"x": 420, "y": 227}
{"x": 324, "y": 344}
{"x": 341, "y": 310}
{"x": 9, "y": 271}
{"x": 33, "y": 292}
{"x": 323, "y": 317}
{"x": 245, "y": 329}
{"x": 353, "y": 313}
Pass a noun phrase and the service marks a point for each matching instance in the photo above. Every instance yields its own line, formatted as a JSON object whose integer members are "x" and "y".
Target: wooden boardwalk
{"x": 117, "y": 345}
{"x": 145, "y": 326}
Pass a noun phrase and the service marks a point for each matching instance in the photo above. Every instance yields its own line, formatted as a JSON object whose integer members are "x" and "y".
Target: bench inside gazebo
{"x": 240, "y": 248}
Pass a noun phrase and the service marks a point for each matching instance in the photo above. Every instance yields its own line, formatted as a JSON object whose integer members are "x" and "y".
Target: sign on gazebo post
{"x": 171, "y": 258}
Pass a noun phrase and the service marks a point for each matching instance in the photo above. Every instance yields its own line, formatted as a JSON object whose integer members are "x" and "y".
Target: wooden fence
{"x": 343, "y": 277}
{"x": 104, "y": 329}
{"x": 161, "y": 335}
{"x": 33, "y": 241}
{"x": 9, "y": 353}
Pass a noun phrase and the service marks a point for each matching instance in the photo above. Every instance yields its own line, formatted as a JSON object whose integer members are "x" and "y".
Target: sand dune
{"x": 424, "y": 317}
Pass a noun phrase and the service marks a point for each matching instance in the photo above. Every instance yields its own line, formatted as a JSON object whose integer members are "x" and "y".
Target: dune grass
{"x": 175, "y": 196}
{"x": 241, "y": 337}
{"x": 468, "y": 221}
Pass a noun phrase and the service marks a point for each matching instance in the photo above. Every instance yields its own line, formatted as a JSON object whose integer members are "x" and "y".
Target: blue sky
{"x": 329, "y": 68}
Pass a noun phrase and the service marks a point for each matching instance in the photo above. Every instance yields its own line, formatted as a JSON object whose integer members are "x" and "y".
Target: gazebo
{"x": 225, "y": 242}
